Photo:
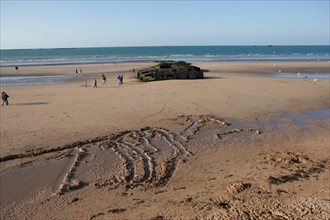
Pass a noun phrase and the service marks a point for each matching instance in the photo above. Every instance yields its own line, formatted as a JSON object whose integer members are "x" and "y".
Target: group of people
{"x": 120, "y": 79}
{"x": 80, "y": 71}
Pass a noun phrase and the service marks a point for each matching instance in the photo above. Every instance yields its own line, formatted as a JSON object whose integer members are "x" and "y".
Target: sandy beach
{"x": 238, "y": 144}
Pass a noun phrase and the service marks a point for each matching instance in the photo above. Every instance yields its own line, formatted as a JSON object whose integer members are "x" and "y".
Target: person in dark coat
{"x": 104, "y": 79}
{"x": 95, "y": 83}
{"x": 4, "y": 97}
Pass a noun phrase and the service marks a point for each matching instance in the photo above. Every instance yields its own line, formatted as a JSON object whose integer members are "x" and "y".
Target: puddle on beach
{"x": 34, "y": 80}
{"x": 321, "y": 114}
{"x": 45, "y": 80}
{"x": 148, "y": 157}
{"x": 305, "y": 118}
{"x": 302, "y": 75}
{"x": 37, "y": 179}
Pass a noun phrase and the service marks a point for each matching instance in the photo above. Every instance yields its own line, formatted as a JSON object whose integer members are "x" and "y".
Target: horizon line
{"x": 207, "y": 45}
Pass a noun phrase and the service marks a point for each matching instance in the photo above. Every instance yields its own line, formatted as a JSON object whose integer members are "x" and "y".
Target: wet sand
{"x": 228, "y": 146}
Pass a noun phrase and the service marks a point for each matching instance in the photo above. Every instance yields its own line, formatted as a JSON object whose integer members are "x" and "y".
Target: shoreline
{"x": 152, "y": 61}
{"x": 77, "y": 64}
{"x": 47, "y": 70}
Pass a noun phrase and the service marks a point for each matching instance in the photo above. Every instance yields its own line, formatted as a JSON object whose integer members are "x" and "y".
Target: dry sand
{"x": 233, "y": 145}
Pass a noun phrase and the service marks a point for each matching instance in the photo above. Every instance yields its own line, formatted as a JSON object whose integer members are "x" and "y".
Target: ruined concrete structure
{"x": 170, "y": 70}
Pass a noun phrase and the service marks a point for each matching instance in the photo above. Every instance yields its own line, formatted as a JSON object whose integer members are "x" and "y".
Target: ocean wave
{"x": 189, "y": 54}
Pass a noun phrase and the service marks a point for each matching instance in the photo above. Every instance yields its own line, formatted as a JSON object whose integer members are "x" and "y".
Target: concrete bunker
{"x": 170, "y": 70}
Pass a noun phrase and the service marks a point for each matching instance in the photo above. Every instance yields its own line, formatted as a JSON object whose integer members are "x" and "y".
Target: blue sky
{"x": 58, "y": 24}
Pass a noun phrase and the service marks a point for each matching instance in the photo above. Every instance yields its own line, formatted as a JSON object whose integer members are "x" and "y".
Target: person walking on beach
{"x": 80, "y": 71}
{"x": 4, "y": 97}
{"x": 104, "y": 79}
{"x": 95, "y": 83}
{"x": 120, "y": 79}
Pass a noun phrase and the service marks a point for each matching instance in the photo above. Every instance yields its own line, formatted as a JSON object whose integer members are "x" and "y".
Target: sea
{"x": 60, "y": 56}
